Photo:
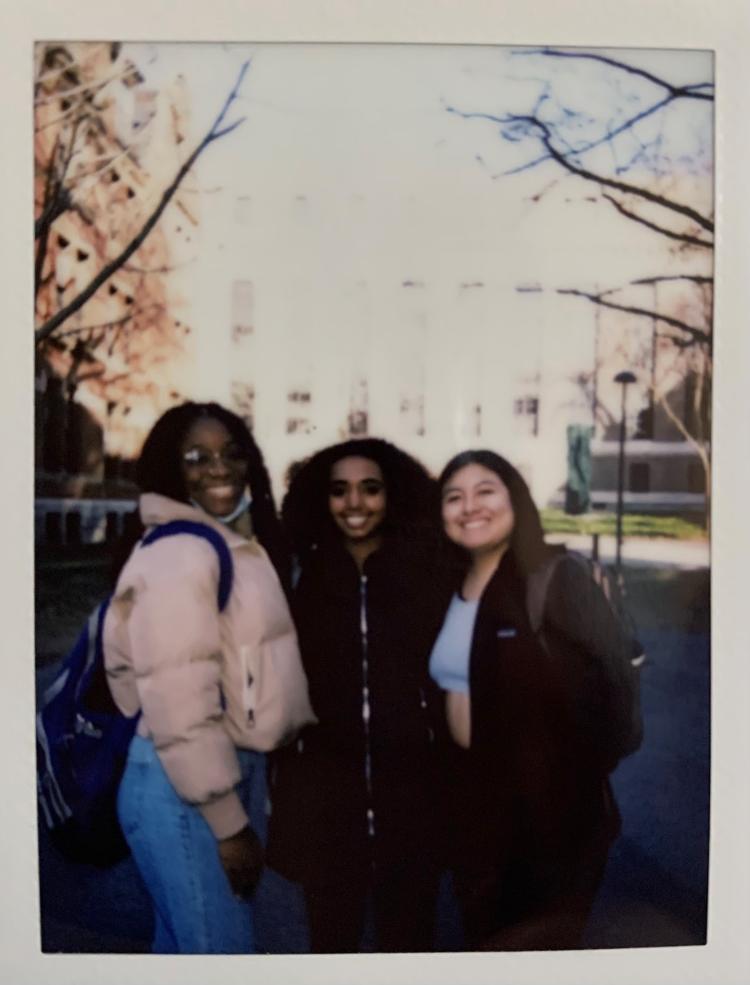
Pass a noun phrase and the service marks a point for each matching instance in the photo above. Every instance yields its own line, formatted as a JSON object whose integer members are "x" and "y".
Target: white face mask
{"x": 243, "y": 504}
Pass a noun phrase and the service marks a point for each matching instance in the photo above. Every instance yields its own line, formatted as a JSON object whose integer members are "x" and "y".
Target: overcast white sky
{"x": 355, "y": 178}
{"x": 338, "y": 122}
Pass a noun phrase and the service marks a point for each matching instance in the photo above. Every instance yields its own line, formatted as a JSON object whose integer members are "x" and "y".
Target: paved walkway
{"x": 654, "y": 892}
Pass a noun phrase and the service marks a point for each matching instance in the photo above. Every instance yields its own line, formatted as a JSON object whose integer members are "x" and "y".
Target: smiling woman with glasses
{"x": 192, "y": 799}
{"x": 232, "y": 456}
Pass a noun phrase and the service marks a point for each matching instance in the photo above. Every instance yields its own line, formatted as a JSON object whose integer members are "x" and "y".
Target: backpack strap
{"x": 537, "y": 586}
{"x": 94, "y": 648}
{"x": 226, "y": 570}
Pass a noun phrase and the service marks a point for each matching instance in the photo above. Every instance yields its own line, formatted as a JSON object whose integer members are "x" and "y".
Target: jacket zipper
{"x": 366, "y": 703}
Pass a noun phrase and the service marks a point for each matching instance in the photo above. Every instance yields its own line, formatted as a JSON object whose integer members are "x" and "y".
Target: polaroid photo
{"x": 449, "y": 230}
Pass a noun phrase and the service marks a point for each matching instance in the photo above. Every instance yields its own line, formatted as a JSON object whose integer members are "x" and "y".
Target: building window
{"x": 358, "y": 420}
{"x": 412, "y": 414}
{"x": 242, "y": 309}
{"x": 299, "y": 421}
{"x": 242, "y": 205}
{"x": 526, "y": 412}
{"x": 298, "y": 396}
{"x": 477, "y": 414}
{"x": 358, "y": 423}
{"x": 639, "y": 477}
{"x": 243, "y": 401}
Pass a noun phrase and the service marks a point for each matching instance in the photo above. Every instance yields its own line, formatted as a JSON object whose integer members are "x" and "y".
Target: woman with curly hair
{"x": 192, "y": 799}
{"x": 354, "y": 816}
{"x": 532, "y": 711}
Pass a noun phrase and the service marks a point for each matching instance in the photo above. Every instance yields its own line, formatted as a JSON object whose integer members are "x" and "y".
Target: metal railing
{"x": 67, "y": 521}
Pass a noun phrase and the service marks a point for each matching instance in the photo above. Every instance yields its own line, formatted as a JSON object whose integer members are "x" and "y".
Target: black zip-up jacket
{"x": 359, "y": 788}
{"x": 538, "y": 716}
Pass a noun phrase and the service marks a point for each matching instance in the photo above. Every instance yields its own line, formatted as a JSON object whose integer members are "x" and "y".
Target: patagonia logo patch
{"x": 507, "y": 633}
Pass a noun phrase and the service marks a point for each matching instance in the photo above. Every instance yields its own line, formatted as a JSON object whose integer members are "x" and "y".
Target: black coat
{"x": 533, "y": 788}
{"x": 350, "y": 794}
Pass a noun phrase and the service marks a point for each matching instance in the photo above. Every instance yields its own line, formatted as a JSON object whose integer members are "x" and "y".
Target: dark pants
{"x": 531, "y": 907}
{"x": 515, "y": 890}
{"x": 403, "y": 896}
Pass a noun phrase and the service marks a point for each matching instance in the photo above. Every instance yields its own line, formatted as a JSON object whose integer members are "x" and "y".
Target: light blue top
{"x": 449, "y": 660}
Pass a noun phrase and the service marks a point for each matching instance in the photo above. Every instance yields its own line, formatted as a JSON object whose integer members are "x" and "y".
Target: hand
{"x": 242, "y": 858}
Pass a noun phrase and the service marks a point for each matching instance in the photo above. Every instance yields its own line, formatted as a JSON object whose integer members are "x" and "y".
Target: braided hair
{"x": 159, "y": 470}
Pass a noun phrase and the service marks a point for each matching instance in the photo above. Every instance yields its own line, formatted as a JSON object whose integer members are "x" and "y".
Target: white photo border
{"x": 723, "y": 27}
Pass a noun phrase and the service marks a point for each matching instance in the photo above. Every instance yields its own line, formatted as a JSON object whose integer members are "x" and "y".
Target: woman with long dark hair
{"x": 527, "y": 710}
{"x": 354, "y": 812}
{"x": 192, "y": 799}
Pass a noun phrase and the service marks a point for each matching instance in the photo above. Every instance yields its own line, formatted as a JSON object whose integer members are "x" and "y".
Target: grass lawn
{"x": 633, "y": 525}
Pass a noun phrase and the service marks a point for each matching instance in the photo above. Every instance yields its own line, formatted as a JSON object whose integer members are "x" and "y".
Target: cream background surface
{"x": 723, "y": 26}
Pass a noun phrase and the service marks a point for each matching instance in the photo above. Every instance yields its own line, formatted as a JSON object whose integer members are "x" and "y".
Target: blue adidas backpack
{"x": 83, "y": 739}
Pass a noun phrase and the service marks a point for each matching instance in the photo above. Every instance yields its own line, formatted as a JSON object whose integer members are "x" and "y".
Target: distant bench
{"x": 80, "y": 521}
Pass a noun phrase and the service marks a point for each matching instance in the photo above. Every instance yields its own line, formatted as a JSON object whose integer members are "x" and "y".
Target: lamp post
{"x": 624, "y": 378}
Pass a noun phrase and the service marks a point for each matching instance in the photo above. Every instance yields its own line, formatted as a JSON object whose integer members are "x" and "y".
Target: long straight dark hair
{"x": 527, "y": 539}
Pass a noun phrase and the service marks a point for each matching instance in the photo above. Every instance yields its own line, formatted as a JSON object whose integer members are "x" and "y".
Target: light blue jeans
{"x": 195, "y": 911}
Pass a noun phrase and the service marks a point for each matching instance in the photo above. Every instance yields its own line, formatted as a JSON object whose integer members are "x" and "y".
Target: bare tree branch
{"x": 53, "y": 73}
{"x": 545, "y": 136}
{"x": 564, "y": 135}
{"x": 90, "y": 177}
{"x": 681, "y": 237}
{"x": 673, "y": 93}
{"x": 163, "y": 269}
{"x": 608, "y": 137}
{"x": 51, "y": 207}
{"x": 623, "y": 186}
{"x": 694, "y": 278}
{"x": 679, "y": 424}
{"x": 72, "y": 111}
{"x": 60, "y": 201}
{"x": 105, "y": 325}
{"x": 57, "y": 200}
{"x": 92, "y": 87}
{"x": 92, "y": 374}
{"x": 697, "y": 334}
{"x": 682, "y": 91}
{"x": 216, "y": 131}
{"x": 116, "y": 323}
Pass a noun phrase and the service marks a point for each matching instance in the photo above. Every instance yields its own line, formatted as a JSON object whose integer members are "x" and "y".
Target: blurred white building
{"x": 354, "y": 266}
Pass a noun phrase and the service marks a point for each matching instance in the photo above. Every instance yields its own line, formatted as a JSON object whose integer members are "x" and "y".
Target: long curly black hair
{"x": 159, "y": 470}
{"x": 527, "y": 539}
{"x": 411, "y": 497}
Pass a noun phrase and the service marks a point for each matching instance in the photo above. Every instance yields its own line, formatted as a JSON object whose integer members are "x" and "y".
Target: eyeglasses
{"x": 233, "y": 457}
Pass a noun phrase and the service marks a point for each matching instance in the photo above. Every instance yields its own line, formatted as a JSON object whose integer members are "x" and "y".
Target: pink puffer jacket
{"x": 170, "y": 654}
